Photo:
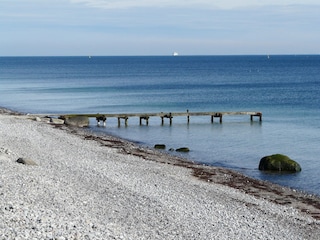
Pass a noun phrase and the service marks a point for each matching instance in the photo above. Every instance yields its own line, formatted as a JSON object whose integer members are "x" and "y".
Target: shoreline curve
{"x": 96, "y": 185}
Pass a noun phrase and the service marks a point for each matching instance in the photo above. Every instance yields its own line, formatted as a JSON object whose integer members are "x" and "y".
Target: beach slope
{"x": 85, "y": 188}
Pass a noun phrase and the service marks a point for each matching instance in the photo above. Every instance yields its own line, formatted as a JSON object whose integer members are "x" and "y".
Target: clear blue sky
{"x": 158, "y": 27}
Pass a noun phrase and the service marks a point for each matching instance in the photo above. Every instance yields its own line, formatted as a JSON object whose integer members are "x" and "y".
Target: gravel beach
{"x": 84, "y": 186}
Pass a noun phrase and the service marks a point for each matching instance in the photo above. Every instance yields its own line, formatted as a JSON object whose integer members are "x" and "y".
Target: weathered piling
{"x": 166, "y": 116}
{"x": 216, "y": 115}
{"x": 259, "y": 114}
{"x": 101, "y": 118}
{"x": 125, "y": 120}
{"x": 146, "y": 118}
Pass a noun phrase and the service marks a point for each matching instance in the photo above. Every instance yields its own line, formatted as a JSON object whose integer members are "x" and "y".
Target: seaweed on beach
{"x": 307, "y": 203}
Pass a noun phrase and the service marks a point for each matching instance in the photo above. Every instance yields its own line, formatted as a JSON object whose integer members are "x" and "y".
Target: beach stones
{"x": 56, "y": 121}
{"x": 77, "y": 121}
{"x": 4, "y": 157}
{"x": 163, "y": 146}
{"x": 279, "y": 163}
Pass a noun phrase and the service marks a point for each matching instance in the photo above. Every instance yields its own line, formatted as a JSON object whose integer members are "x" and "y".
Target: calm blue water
{"x": 285, "y": 88}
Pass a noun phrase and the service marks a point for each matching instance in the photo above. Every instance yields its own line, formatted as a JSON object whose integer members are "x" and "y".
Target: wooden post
{"x": 126, "y": 121}
{"x": 118, "y": 121}
{"x": 98, "y": 120}
{"x": 256, "y": 115}
{"x": 166, "y": 116}
{"x": 219, "y": 115}
{"x": 145, "y": 118}
{"x": 188, "y": 117}
{"x": 101, "y": 118}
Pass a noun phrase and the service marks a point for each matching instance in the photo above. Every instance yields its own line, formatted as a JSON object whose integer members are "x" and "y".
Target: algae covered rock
{"x": 160, "y": 146}
{"x": 280, "y": 163}
{"x": 183, "y": 149}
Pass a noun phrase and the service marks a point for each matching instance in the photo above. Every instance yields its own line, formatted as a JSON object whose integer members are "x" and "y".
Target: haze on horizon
{"x": 155, "y": 27}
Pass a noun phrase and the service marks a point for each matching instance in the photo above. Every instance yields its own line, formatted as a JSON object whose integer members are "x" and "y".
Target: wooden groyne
{"x": 102, "y": 117}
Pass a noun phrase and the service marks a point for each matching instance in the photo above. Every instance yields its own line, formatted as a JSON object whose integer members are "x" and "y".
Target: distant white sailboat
{"x": 175, "y": 54}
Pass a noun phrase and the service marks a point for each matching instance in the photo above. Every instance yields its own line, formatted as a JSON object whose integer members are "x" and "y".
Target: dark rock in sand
{"x": 26, "y": 161}
{"x": 279, "y": 163}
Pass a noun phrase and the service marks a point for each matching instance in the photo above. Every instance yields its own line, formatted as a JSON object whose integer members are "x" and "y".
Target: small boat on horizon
{"x": 175, "y": 54}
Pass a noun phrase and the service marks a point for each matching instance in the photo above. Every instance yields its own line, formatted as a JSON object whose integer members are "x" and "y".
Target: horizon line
{"x": 170, "y": 55}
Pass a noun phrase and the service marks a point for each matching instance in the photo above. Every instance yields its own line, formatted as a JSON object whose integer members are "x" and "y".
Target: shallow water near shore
{"x": 234, "y": 145}
{"x": 284, "y": 88}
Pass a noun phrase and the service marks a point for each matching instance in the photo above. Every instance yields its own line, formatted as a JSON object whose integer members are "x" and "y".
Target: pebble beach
{"x": 85, "y": 186}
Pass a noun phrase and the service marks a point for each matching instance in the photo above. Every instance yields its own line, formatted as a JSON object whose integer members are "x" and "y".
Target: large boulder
{"x": 279, "y": 163}
{"x": 77, "y": 121}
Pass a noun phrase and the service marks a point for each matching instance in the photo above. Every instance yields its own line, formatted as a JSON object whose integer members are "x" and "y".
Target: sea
{"x": 285, "y": 88}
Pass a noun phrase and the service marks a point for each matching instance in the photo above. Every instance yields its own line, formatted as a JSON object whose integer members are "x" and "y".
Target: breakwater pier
{"x": 144, "y": 117}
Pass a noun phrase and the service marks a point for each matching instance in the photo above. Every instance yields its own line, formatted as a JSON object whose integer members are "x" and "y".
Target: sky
{"x": 158, "y": 27}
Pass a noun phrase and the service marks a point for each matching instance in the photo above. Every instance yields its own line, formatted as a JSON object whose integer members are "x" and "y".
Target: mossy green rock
{"x": 160, "y": 146}
{"x": 280, "y": 163}
{"x": 183, "y": 149}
